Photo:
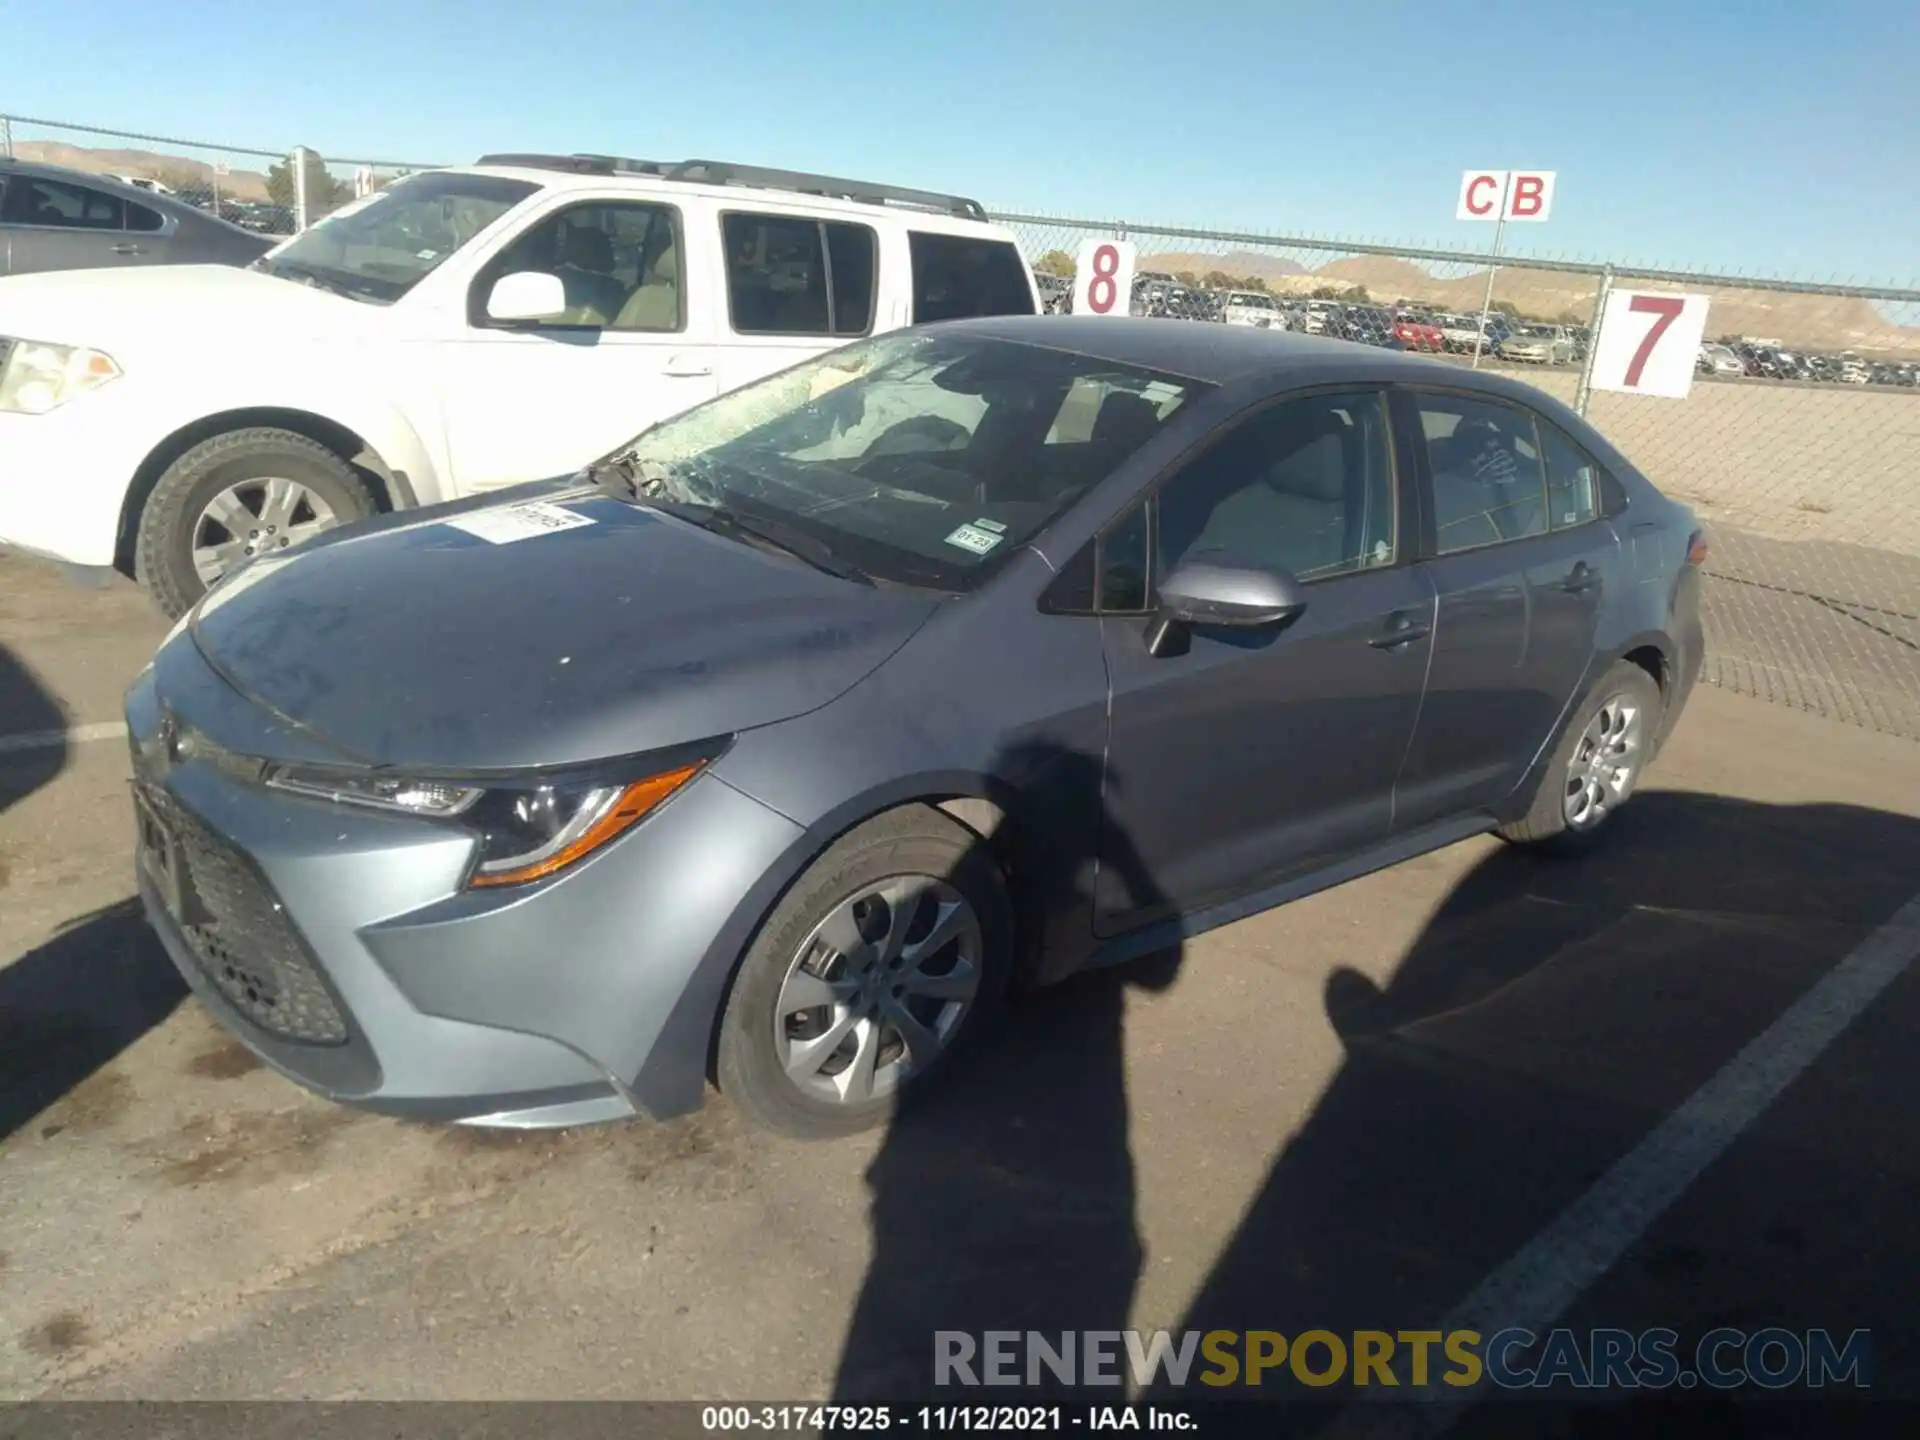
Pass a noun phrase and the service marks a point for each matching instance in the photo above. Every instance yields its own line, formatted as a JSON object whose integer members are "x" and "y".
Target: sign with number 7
{"x": 1649, "y": 343}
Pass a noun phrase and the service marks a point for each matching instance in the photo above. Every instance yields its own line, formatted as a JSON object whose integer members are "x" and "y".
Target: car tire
{"x": 1614, "y": 730}
{"x": 241, "y": 462}
{"x": 760, "y": 1048}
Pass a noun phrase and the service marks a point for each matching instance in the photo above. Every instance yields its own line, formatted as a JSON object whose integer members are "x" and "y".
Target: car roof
{"x": 1225, "y": 354}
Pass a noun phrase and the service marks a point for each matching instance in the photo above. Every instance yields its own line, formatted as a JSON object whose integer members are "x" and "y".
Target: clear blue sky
{"x": 1775, "y": 137}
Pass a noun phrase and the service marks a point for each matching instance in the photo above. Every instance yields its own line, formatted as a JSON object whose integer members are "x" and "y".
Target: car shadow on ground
{"x": 69, "y": 1006}
{"x": 1548, "y": 1016}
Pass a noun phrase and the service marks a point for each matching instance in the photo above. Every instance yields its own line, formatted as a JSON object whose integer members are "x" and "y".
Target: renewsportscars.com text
{"x": 1512, "y": 1359}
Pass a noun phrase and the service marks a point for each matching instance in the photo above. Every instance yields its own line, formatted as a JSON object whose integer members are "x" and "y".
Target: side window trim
{"x": 490, "y": 272}
{"x": 1606, "y": 490}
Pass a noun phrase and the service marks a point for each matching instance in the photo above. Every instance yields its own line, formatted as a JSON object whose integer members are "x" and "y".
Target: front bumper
{"x": 338, "y": 944}
{"x": 64, "y": 478}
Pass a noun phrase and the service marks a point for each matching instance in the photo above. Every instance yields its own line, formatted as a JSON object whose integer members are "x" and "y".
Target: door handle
{"x": 1582, "y": 579}
{"x": 1400, "y": 630}
{"x": 128, "y": 250}
{"x": 682, "y": 368}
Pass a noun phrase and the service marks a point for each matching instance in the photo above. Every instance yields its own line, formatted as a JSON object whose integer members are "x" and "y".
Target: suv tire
{"x": 163, "y": 548}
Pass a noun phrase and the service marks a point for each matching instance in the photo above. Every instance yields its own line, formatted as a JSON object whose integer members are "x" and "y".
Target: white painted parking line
{"x": 1552, "y": 1270}
{"x": 54, "y": 739}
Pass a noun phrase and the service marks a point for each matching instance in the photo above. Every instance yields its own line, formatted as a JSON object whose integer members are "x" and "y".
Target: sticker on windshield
{"x": 994, "y": 525}
{"x": 972, "y": 537}
{"x": 518, "y": 522}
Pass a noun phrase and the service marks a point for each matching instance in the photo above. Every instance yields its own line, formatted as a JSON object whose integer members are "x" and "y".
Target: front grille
{"x": 245, "y": 944}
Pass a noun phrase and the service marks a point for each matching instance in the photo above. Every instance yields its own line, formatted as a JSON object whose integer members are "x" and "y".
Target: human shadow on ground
{"x": 71, "y": 1005}
{"x": 1005, "y": 1200}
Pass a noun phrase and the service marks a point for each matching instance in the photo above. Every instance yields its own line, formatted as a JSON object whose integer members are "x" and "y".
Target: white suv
{"x": 463, "y": 330}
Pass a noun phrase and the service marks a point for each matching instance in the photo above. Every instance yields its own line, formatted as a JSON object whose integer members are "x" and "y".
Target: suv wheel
{"x": 1597, "y": 763}
{"x": 886, "y": 955}
{"x": 235, "y": 496}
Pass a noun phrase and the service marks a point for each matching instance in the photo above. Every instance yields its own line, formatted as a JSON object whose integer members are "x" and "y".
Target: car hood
{"x": 114, "y": 309}
{"x": 410, "y": 642}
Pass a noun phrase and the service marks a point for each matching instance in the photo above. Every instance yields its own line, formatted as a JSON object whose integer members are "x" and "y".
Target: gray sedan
{"x": 52, "y": 218}
{"x": 773, "y": 749}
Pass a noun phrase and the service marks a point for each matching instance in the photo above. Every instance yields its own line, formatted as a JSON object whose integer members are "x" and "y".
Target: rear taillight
{"x": 1697, "y": 548}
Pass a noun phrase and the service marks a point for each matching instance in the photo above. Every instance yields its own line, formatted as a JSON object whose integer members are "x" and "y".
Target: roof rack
{"x": 722, "y": 172}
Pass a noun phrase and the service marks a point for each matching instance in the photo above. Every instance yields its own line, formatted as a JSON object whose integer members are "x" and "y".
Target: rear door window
{"x": 1488, "y": 483}
{"x": 959, "y": 276}
{"x": 792, "y": 276}
{"x": 32, "y": 200}
{"x": 140, "y": 217}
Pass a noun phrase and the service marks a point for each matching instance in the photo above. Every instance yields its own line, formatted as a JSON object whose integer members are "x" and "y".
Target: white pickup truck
{"x": 465, "y": 329}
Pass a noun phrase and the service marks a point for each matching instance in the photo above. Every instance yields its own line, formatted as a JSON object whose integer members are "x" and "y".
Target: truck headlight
{"x": 36, "y": 377}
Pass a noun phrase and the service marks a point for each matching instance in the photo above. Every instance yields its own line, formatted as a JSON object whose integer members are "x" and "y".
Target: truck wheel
{"x": 235, "y": 496}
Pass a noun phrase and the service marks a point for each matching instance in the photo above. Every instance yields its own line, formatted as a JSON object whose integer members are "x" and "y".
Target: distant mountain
{"x": 147, "y": 164}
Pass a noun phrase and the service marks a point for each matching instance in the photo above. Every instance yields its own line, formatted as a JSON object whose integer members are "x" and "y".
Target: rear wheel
{"x": 887, "y": 954}
{"x": 233, "y": 497}
{"x": 1596, "y": 765}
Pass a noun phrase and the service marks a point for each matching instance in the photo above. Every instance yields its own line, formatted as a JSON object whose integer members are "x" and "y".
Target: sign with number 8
{"x": 1649, "y": 342}
{"x": 1103, "y": 278}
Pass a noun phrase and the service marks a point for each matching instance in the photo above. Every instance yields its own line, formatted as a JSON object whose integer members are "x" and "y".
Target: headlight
{"x": 35, "y": 378}
{"x": 525, "y": 831}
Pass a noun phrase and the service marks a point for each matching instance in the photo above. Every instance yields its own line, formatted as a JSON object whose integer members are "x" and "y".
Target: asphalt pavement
{"x": 1668, "y": 1084}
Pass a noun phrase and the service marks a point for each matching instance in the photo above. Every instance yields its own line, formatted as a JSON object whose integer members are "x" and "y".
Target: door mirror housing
{"x": 527, "y": 295}
{"x": 1225, "y": 593}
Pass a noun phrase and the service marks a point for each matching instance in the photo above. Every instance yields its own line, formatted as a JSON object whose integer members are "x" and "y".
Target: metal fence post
{"x": 6, "y": 137}
{"x": 300, "y": 202}
{"x": 1493, "y": 270}
{"x": 1584, "y": 390}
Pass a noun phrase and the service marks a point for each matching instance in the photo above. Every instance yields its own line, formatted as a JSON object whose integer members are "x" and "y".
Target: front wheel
{"x": 887, "y": 954}
{"x": 1597, "y": 764}
{"x": 234, "y": 497}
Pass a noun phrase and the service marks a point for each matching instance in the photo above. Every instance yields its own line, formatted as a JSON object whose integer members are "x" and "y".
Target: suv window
{"x": 618, "y": 261}
{"x": 792, "y": 276}
{"x": 958, "y": 276}
{"x": 1572, "y": 484}
{"x": 1305, "y": 487}
{"x": 33, "y": 200}
{"x": 1488, "y": 482}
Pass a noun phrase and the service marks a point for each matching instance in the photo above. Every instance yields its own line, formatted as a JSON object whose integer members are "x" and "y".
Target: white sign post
{"x": 1103, "y": 278}
{"x": 1500, "y": 196}
{"x": 1648, "y": 343}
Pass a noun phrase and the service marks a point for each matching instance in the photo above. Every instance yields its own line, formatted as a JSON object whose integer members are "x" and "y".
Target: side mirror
{"x": 1222, "y": 593}
{"x": 527, "y": 295}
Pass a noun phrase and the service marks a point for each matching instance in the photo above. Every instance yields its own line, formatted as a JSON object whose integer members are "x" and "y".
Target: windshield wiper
{"x": 319, "y": 280}
{"x": 801, "y": 544}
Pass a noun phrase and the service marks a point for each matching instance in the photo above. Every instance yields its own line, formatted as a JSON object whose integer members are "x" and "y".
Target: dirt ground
{"x": 1350, "y": 1111}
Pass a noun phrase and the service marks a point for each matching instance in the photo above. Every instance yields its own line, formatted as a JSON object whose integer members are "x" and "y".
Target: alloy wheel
{"x": 1601, "y": 772}
{"x": 255, "y": 517}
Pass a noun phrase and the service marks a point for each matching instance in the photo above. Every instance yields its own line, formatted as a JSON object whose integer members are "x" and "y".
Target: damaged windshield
{"x": 920, "y": 459}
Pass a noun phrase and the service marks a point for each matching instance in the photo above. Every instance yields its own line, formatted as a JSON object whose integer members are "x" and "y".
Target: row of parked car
{"x": 1734, "y": 358}
{"x": 1504, "y": 337}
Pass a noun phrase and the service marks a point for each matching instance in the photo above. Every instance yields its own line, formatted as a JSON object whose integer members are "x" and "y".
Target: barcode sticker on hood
{"x": 518, "y": 522}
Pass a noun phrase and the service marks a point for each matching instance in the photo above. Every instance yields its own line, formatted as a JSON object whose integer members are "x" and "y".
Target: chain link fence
{"x": 1799, "y": 441}
{"x": 273, "y": 192}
